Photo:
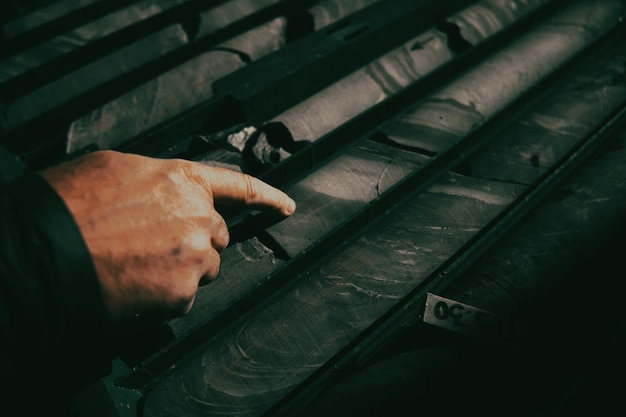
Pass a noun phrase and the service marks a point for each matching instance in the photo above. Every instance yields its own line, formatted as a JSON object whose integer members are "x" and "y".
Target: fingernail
{"x": 290, "y": 207}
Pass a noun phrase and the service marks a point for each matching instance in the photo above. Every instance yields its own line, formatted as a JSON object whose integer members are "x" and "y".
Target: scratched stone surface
{"x": 485, "y": 18}
{"x": 556, "y": 281}
{"x": 347, "y": 98}
{"x": 43, "y": 15}
{"x": 573, "y": 112}
{"x": 440, "y": 120}
{"x": 338, "y": 190}
{"x": 80, "y": 36}
{"x": 175, "y": 91}
{"x": 330, "y": 11}
{"x": 82, "y": 79}
{"x": 255, "y": 364}
{"x": 384, "y": 77}
{"x": 229, "y": 12}
{"x": 579, "y": 216}
{"x": 244, "y": 266}
{"x": 126, "y": 58}
{"x": 364, "y": 88}
{"x": 391, "y": 73}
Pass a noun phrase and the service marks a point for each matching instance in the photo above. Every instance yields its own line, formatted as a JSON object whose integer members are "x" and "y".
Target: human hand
{"x": 152, "y": 228}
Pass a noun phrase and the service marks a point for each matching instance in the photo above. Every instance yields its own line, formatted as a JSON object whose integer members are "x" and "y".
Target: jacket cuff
{"x": 74, "y": 272}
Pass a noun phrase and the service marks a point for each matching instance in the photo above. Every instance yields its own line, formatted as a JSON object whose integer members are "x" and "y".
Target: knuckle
{"x": 183, "y": 298}
{"x": 222, "y": 237}
{"x": 251, "y": 190}
{"x": 212, "y": 268}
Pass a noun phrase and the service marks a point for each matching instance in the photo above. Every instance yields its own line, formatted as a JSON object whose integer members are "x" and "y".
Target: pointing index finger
{"x": 231, "y": 186}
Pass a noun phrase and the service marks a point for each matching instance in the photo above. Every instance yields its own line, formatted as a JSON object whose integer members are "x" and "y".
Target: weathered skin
{"x": 152, "y": 227}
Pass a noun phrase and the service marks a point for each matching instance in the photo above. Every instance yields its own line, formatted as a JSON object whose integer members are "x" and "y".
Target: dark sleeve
{"x": 54, "y": 333}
